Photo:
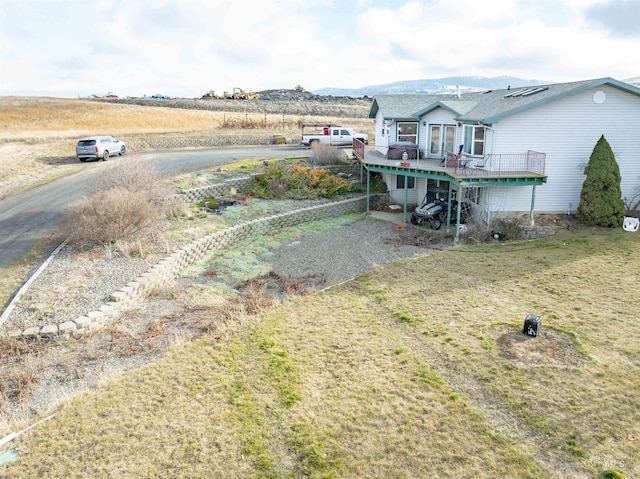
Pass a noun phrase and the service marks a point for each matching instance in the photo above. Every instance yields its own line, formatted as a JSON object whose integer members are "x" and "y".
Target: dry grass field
{"x": 416, "y": 369}
{"x": 38, "y": 135}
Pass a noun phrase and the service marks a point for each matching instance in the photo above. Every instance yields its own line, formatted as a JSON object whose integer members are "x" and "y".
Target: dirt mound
{"x": 556, "y": 221}
{"x": 297, "y": 95}
{"x": 549, "y": 348}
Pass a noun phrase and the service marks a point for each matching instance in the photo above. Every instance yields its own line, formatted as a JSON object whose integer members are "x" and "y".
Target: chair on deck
{"x": 480, "y": 162}
{"x": 452, "y": 160}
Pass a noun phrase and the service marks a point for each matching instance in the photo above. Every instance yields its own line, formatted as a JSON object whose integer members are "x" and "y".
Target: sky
{"x": 183, "y": 48}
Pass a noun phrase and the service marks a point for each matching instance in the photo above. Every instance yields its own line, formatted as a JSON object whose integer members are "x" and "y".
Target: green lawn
{"x": 418, "y": 369}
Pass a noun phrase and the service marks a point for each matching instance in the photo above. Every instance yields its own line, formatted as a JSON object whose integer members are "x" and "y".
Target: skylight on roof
{"x": 526, "y": 92}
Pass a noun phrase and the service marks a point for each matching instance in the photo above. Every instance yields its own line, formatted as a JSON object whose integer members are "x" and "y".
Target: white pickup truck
{"x": 330, "y": 135}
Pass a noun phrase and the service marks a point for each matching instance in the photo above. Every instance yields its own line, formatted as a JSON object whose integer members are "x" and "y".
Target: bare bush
{"x": 278, "y": 187}
{"x": 475, "y": 232}
{"x": 325, "y": 155}
{"x": 109, "y": 216}
{"x": 135, "y": 176}
{"x": 508, "y": 228}
{"x": 632, "y": 205}
{"x": 19, "y": 381}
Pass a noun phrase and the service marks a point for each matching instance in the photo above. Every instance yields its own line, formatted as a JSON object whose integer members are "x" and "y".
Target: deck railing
{"x": 358, "y": 149}
{"x": 529, "y": 162}
{"x": 500, "y": 164}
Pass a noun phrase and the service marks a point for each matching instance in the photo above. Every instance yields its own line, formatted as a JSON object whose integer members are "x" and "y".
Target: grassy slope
{"x": 386, "y": 377}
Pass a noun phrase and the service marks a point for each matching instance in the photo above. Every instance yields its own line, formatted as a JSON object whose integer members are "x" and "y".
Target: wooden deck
{"x": 458, "y": 170}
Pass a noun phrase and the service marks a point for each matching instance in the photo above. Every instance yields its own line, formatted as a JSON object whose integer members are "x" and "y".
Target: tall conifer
{"x": 601, "y": 201}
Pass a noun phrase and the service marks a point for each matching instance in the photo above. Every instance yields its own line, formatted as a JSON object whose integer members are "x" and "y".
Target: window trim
{"x": 470, "y": 141}
{"x": 411, "y": 182}
{"x": 414, "y": 136}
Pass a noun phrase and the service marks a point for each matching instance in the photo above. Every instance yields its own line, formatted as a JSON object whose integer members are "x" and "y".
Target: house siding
{"x": 381, "y": 142}
{"x": 397, "y": 194}
{"x": 567, "y": 130}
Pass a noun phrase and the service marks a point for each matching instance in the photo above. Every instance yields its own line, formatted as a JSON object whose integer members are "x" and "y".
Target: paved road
{"x": 29, "y": 218}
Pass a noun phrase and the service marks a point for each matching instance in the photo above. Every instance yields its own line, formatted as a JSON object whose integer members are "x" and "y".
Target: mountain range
{"x": 461, "y": 84}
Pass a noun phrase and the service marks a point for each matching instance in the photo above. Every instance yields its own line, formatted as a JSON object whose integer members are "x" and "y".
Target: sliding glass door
{"x": 441, "y": 139}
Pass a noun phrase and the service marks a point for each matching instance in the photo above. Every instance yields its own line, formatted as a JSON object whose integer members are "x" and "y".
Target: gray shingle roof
{"x": 485, "y": 107}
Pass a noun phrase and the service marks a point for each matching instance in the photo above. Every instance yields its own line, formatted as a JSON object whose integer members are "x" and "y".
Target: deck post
{"x": 533, "y": 202}
{"x": 406, "y": 196}
{"x": 460, "y": 195}
{"x": 449, "y": 204}
{"x": 368, "y": 188}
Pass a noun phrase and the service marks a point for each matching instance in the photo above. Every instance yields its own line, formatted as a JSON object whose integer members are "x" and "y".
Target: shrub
{"x": 135, "y": 176}
{"x": 509, "y": 228}
{"x": 278, "y": 187}
{"x": 476, "y": 232}
{"x": 209, "y": 203}
{"x": 601, "y": 201}
{"x": 108, "y": 216}
{"x": 297, "y": 182}
{"x": 612, "y": 474}
{"x": 325, "y": 155}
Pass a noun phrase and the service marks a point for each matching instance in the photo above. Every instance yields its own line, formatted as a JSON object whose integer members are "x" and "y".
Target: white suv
{"x": 99, "y": 147}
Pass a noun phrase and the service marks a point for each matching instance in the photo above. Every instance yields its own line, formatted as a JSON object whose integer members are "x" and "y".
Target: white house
{"x": 520, "y": 149}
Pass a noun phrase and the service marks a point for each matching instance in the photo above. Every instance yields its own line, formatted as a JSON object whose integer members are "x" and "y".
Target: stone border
{"x": 218, "y": 189}
{"x": 173, "y": 143}
{"x": 533, "y": 232}
{"x": 163, "y": 272}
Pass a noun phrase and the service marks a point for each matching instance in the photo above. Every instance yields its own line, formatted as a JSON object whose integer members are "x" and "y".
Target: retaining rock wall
{"x": 195, "y": 142}
{"x": 533, "y": 232}
{"x": 167, "y": 269}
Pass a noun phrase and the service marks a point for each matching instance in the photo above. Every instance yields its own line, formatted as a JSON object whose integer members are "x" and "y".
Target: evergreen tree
{"x": 601, "y": 201}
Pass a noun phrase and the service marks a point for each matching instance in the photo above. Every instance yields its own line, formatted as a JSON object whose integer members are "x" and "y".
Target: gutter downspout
{"x": 533, "y": 202}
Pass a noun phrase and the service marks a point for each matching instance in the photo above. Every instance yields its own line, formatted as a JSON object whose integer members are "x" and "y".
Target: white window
{"x": 408, "y": 131}
{"x": 474, "y": 139}
{"x": 473, "y": 195}
{"x": 411, "y": 182}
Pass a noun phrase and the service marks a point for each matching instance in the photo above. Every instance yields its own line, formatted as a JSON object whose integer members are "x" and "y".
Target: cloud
{"x": 72, "y": 63}
{"x": 186, "y": 47}
{"x": 621, "y": 18}
{"x": 100, "y": 47}
{"x": 514, "y": 64}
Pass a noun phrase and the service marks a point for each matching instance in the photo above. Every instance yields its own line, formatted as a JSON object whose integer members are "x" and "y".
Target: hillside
{"x": 285, "y": 102}
{"x": 435, "y": 85}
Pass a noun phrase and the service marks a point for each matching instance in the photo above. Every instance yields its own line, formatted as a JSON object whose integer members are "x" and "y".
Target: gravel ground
{"x": 40, "y": 374}
{"x": 72, "y": 285}
{"x": 334, "y": 256}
